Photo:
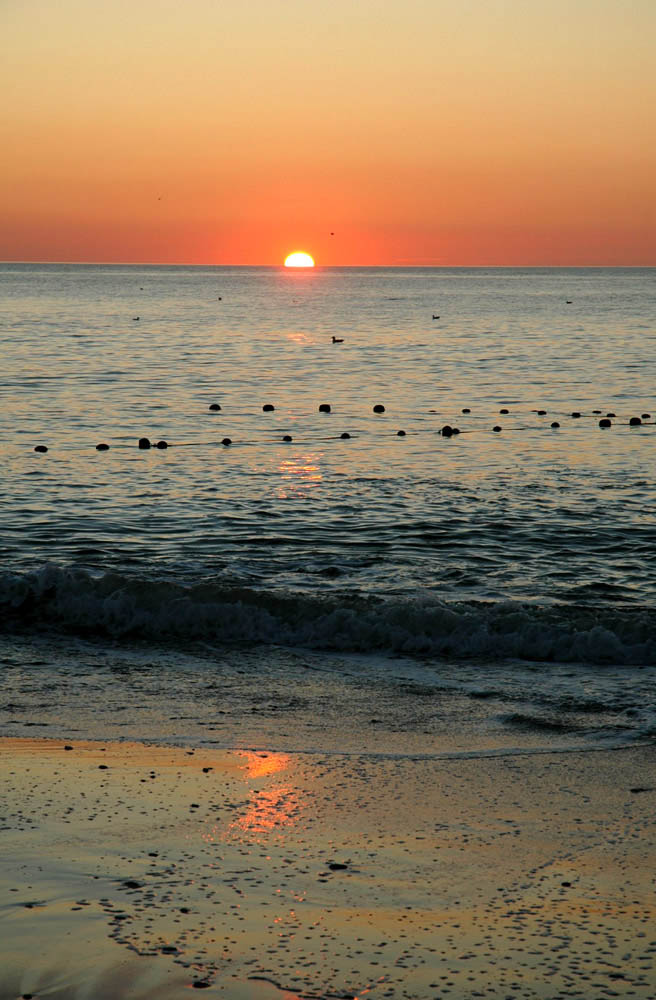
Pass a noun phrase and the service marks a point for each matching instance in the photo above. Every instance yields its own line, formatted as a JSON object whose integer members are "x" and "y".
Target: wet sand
{"x": 145, "y": 872}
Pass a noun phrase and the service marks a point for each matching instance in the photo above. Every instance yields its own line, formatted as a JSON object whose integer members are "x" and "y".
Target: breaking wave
{"x": 122, "y": 606}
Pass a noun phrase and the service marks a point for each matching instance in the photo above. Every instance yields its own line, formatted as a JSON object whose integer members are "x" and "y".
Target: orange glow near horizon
{"x": 438, "y": 134}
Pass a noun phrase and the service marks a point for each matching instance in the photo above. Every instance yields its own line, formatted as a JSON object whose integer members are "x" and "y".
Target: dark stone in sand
{"x": 496, "y": 428}
{"x": 153, "y": 854}
{"x": 576, "y": 413}
{"x": 555, "y": 424}
{"x": 68, "y": 747}
{"x": 169, "y": 949}
{"x": 379, "y": 408}
{"x": 194, "y": 805}
{"x": 215, "y": 406}
{"x": 131, "y": 884}
{"x": 161, "y": 445}
{"x": 144, "y": 443}
{"x": 226, "y": 441}
{"x": 324, "y": 408}
{"x": 102, "y": 767}
{"x": 41, "y": 448}
{"x": 635, "y": 422}
{"x": 566, "y": 885}
{"x": 268, "y": 407}
{"x": 287, "y": 437}
{"x": 400, "y": 434}
{"x": 345, "y": 435}
{"x": 605, "y": 422}
{"x": 504, "y": 411}
{"x": 596, "y": 411}
{"x": 102, "y": 447}
{"x": 200, "y": 984}
{"x": 466, "y": 410}
{"x": 336, "y": 866}
{"x": 447, "y": 431}
{"x": 184, "y": 909}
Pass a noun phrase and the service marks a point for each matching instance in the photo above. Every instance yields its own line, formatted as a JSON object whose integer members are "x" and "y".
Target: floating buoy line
{"x": 446, "y": 431}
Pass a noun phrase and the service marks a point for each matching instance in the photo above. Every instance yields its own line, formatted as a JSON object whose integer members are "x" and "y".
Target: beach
{"x": 139, "y": 870}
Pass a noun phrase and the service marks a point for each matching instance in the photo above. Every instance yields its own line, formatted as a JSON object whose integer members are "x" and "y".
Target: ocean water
{"x": 498, "y": 586}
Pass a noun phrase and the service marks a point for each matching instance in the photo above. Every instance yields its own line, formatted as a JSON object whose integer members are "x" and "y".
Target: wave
{"x": 130, "y": 606}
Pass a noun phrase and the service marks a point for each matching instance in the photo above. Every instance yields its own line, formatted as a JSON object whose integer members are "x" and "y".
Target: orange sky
{"x": 418, "y": 132}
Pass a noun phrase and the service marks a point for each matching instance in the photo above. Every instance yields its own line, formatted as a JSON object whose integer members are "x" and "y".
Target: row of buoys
{"x": 379, "y": 408}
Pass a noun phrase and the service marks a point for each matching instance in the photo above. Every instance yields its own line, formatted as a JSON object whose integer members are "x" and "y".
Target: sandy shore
{"x": 143, "y": 872}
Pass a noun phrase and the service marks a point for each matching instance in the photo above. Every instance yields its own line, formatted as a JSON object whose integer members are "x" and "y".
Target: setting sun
{"x": 299, "y": 259}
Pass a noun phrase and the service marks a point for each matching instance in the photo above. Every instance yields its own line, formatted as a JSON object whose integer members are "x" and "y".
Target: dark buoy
{"x": 504, "y": 411}
{"x": 161, "y": 445}
{"x": 226, "y": 441}
{"x": 466, "y": 410}
{"x": 215, "y": 406}
{"x": 446, "y": 431}
{"x": 611, "y": 414}
{"x": 268, "y": 407}
{"x": 144, "y": 443}
{"x": 287, "y": 437}
{"x": 496, "y": 428}
{"x": 102, "y": 447}
{"x": 345, "y": 435}
{"x": 576, "y": 413}
{"x": 555, "y": 424}
{"x": 324, "y": 408}
{"x": 635, "y": 422}
{"x": 400, "y": 434}
{"x": 379, "y": 408}
{"x": 41, "y": 448}
{"x": 605, "y": 422}
{"x": 541, "y": 413}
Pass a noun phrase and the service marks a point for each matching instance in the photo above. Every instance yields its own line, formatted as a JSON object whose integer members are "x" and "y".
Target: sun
{"x": 299, "y": 259}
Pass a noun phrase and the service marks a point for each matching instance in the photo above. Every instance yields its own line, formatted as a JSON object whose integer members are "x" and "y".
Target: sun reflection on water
{"x": 299, "y": 474}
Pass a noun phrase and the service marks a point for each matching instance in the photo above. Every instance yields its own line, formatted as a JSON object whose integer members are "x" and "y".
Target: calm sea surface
{"x": 484, "y": 554}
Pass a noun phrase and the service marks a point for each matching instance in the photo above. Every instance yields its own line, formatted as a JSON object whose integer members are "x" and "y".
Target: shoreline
{"x": 134, "y": 870}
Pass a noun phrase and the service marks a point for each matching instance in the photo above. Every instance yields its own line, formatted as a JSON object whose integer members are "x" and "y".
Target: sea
{"x": 306, "y": 558}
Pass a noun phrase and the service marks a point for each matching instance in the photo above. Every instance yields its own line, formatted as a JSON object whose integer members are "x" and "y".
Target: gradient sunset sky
{"x": 491, "y": 132}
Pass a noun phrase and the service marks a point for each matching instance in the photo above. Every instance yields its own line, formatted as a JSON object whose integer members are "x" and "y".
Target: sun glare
{"x": 299, "y": 259}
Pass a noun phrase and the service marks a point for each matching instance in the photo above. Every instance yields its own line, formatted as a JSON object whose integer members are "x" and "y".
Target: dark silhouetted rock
{"x": 576, "y": 413}
{"x": 268, "y": 408}
{"x": 446, "y": 431}
{"x": 41, "y": 448}
{"x": 555, "y": 424}
{"x": 496, "y": 428}
{"x": 466, "y": 410}
{"x": 324, "y": 408}
{"x": 345, "y": 435}
{"x": 379, "y": 408}
{"x": 400, "y": 434}
{"x": 287, "y": 437}
{"x": 635, "y": 422}
{"x": 504, "y": 411}
{"x": 215, "y": 407}
{"x": 161, "y": 445}
{"x": 605, "y": 422}
{"x": 102, "y": 446}
{"x": 144, "y": 444}
{"x": 226, "y": 441}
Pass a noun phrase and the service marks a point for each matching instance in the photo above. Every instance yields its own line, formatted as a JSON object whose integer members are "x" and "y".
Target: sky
{"x": 394, "y": 132}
